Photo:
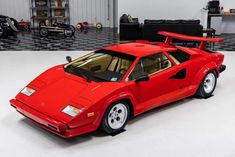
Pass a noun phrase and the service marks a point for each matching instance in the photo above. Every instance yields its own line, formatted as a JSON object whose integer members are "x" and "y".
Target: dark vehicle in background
{"x": 8, "y": 26}
{"x": 58, "y": 28}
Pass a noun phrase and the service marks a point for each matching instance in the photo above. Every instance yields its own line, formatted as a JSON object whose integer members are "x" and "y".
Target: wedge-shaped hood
{"x": 56, "y": 89}
{"x": 53, "y": 97}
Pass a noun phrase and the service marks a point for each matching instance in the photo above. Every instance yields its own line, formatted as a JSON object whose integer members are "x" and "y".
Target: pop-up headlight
{"x": 28, "y": 91}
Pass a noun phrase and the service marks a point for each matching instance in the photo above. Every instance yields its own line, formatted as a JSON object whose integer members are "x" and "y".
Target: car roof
{"x": 137, "y": 49}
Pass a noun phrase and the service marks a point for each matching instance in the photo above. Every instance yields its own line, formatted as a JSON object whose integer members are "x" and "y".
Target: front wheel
{"x": 72, "y": 28}
{"x": 116, "y": 117}
{"x": 98, "y": 26}
{"x": 207, "y": 85}
{"x": 79, "y": 26}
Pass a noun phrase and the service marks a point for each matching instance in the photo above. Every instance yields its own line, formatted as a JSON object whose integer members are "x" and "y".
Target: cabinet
{"x": 51, "y": 10}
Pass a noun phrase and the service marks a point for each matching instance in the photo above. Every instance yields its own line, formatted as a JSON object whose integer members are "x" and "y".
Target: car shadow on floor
{"x": 98, "y": 133}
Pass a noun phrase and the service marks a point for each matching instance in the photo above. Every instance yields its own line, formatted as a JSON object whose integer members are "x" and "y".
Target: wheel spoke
{"x": 117, "y": 116}
{"x": 112, "y": 121}
{"x": 209, "y": 83}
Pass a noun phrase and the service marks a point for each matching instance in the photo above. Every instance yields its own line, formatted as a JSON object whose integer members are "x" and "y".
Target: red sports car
{"x": 105, "y": 88}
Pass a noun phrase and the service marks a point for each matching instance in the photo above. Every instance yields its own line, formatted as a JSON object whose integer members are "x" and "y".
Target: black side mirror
{"x": 69, "y": 59}
{"x": 142, "y": 78}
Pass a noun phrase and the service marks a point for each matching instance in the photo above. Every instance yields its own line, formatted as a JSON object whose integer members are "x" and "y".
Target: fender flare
{"x": 204, "y": 70}
{"x": 118, "y": 97}
{"x": 115, "y": 98}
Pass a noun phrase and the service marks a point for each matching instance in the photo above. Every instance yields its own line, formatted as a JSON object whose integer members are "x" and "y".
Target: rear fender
{"x": 205, "y": 69}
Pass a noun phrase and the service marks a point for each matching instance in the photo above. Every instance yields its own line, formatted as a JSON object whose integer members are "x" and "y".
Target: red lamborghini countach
{"x": 103, "y": 89}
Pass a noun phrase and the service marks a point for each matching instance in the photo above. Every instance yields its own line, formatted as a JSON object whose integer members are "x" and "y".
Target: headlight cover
{"x": 28, "y": 91}
{"x": 72, "y": 111}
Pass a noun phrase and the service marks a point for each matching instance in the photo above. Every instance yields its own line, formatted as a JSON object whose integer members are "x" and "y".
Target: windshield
{"x": 101, "y": 66}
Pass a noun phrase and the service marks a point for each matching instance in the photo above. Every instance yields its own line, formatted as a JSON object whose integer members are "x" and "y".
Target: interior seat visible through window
{"x": 150, "y": 65}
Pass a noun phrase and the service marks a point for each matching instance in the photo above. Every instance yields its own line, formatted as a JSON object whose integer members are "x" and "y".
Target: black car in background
{"x": 57, "y": 28}
{"x": 8, "y": 26}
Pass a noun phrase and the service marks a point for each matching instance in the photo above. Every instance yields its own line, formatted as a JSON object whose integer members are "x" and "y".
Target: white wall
{"x": 18, "y": 9}
{"x": 92, "y": 11}
{"x": 177, "y": 9}
{"x": 227, "y": 4}
{"x": 228, "y": 23}
{"x": 167, "y": 9}
{"x": 80, "y": 10}
{"x": 162, "y": 9}
{"x": 144, "y": 9}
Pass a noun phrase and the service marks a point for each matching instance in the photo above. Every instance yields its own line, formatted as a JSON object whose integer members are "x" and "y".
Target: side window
{"x": 179, "y": 56}
{"x": 150, "y": 65}
{"x": 136, "y": 72}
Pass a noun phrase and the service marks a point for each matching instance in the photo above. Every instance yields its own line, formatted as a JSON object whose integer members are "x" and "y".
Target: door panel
{"x": 151, "y": 93}
{"x": 156, "y": 91}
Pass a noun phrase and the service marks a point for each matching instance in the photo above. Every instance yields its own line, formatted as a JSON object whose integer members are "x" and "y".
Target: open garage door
{"x": 93, "y": 11}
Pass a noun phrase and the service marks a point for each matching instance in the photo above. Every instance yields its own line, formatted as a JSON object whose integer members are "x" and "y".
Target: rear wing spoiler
{"x": 203, "y": 41}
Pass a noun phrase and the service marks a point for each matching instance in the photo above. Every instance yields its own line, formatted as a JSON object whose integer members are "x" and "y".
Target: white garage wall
{"x": 179, "y": 9}
{"x": 92, "y": 11}
{"x": 162, "y": 9}
{"x": 80, "y": 10}
{"x": 19, "y": 9}
{"x": 228, "y": 23}
{"x": 228, "y": 4}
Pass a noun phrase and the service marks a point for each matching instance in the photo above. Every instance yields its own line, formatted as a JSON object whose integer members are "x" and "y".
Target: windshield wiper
{"x": 83, "y": 75}
{"x": 79, "y": 72}
{"x": 101, "y": 78}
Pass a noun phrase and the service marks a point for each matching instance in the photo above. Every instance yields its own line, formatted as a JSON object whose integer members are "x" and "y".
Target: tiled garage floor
{"x": 86, "y": 40}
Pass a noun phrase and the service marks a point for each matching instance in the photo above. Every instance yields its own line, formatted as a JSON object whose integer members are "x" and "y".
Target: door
{"x": 93, "y": 11}
{"x": 164, "y": 78}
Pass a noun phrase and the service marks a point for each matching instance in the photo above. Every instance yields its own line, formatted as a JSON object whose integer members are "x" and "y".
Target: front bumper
{"x": 222, "y": 68}
{"x": 49, "y": 123}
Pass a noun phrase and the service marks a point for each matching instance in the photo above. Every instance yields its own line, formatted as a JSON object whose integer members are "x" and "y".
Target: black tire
{"x": 69, "y": 32}
{"x": 16, "y": 23}
{"x": 43, "y": 32}
{"x": 73, "y": 29}
{"x": 205, "y": 90}
{"x": 105, "y": 124}
{"x": 79, "y": 26}
{"x": 1, "y": 31}
{"x": 99, "y": 26}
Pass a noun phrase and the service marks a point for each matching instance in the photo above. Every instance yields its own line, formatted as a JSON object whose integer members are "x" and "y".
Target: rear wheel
{"x": 43, "y": 32}
{"x": 116, "y": 117}
{"x": 207, "y": 85}
{"x": 68, "y": 32}
{"x": 1, "y": 31}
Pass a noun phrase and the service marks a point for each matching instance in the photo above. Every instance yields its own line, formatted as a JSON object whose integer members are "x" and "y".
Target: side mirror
{"x": 142, "y": 78}
{"x": 69, "y": 59}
